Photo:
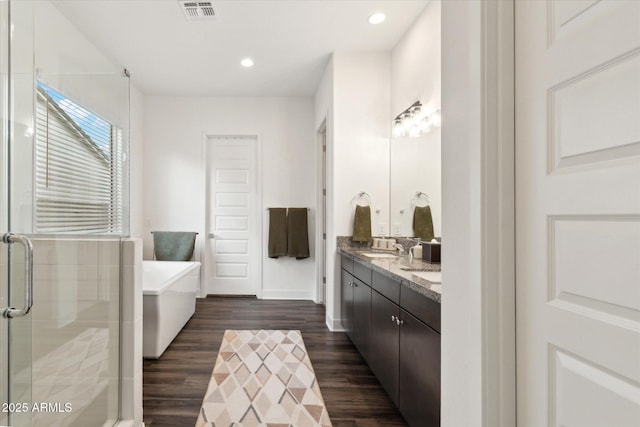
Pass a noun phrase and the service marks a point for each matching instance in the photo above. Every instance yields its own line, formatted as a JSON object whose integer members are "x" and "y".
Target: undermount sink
{"x": 432, "y": 276}
{"x": 378, "y": 255}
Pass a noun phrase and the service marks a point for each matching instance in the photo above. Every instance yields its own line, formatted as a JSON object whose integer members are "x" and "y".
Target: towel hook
{"x": 362, "y": 195}
{"x": 416, "y": 197}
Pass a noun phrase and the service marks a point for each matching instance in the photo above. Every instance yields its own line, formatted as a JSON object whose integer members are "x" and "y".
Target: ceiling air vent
{"x": 197, "y": 10}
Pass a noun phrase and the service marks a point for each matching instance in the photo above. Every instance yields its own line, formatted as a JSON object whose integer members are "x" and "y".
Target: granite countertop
{"x": 393, "y": 268}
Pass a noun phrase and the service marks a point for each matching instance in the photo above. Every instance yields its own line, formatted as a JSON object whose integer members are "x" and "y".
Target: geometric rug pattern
{"x": 263, "y": 378}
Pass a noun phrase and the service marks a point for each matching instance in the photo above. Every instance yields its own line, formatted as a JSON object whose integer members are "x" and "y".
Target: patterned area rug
{"x": 263, "y": 378}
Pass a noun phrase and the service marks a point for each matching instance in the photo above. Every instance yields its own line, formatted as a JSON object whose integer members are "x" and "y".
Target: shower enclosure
{"x": 64, "y": 125}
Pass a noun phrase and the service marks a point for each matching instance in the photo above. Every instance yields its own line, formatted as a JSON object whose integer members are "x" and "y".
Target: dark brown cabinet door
{"x": 385, "y": 338}
{"x": 347, "y": 303}
{"x": 419, "y": 372}
{"x": 361, "y": 317}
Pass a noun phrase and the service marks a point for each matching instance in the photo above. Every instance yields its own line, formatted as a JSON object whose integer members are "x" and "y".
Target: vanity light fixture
{"x": 377, "y": 18}
{"x": 247, "y": 62}
{"x": 415, "y": 122}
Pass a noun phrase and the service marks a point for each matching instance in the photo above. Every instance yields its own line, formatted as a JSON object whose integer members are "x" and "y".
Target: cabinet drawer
{"x": 347, "y": 264}
{"x": 386, "y": 286}
{"x": 362, "y": 272}
{"x": 425, "y": 309}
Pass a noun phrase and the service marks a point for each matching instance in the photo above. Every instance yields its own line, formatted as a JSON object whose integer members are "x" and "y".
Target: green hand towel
{"x": 423, "y": 223}
{"x": 277, "y": 232}
{"x": 173, "y": 245}
{"x": 362, "y": 224}
{"x": 298, "y": 234}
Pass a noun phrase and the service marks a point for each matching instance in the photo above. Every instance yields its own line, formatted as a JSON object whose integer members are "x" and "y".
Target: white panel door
{"x": 232, "y": 249}
{"x": 578, "y": 213}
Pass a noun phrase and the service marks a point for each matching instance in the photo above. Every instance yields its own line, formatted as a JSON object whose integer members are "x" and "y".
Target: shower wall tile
{"x": 131, "y": 292}
{"x": 108, "y": 253}
{"x": 132, "y": 399}
{"x": 130, "y": 254}
{"x": 70, "y": 252}
{"x": 76, "y": 328}
{"x": 130, "y": 362}
{"x": 132, "y": 330}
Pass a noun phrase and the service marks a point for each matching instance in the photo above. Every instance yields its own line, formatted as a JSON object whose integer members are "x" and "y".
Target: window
{"x": 79, "y": 175}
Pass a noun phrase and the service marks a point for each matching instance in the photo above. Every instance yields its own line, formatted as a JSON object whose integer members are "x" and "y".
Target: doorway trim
{"x": 478, "y": 303}
{"x": 321, "y": 216}
{"x": 498, "y": 222}
{"x": 257, "y": 245}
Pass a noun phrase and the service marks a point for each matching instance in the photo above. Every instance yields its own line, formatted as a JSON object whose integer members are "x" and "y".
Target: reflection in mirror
{"x": 415, "y": 156}
{"x": 415, "y": 167}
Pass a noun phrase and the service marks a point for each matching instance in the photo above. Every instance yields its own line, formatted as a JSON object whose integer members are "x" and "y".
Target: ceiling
{"x": 289, "y": 40}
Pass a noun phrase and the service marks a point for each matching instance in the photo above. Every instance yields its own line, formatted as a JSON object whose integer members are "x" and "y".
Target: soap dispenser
{"x": 416, "y": 251}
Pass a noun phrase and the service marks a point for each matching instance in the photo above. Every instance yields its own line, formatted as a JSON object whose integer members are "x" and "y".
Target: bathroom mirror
{"x": 415, "y": 163}
{"x": 414, "y": 167}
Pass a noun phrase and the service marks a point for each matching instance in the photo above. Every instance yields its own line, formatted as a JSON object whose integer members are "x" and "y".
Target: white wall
{"x": 174, "y": 193}
{"x": 416, "y": 162}
{"x": 355, "y": 93}
{"x": 462, "y": 321}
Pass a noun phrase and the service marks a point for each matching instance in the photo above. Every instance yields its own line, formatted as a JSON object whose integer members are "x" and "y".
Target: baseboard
{"x": 128, "y": 423}
{"x": 334, "y": 325}
{"x": 287, "y": 294}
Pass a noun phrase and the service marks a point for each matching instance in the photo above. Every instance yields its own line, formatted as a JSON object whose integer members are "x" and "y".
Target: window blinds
{"x": 78, "y": 169}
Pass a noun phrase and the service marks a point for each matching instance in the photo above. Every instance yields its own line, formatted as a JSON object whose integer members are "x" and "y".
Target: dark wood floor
{"x": 174, "y": 385}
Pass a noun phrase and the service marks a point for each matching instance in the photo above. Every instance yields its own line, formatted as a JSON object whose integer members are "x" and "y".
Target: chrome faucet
{"x": 399, "y": 247}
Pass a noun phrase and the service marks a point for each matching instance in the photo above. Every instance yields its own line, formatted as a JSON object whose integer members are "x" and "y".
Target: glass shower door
{"x": 64, "y": 127}
{"x": 16, "y": 267}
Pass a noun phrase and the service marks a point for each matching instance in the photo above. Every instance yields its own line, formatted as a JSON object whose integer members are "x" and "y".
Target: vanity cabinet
{"x": 347, "y": 303}
{"x": 362, "y": 317}
{"x": 385, "y": 339}
{"x": 419, "y": 372}
{"x": 397, "y": 331}
{"x": 356, "y": 304}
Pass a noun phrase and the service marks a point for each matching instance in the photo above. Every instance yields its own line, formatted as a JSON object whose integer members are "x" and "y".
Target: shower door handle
{"x": 10, "y": 312}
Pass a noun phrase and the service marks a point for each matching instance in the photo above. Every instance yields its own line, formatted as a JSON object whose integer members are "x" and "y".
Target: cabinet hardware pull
{"x": 393, "y": 318}
{"x": 11, "y": 312}
{"x": 399, "y": 322}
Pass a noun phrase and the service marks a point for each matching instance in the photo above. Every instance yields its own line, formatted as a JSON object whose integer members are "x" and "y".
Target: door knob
{"x": 213, "y": 236}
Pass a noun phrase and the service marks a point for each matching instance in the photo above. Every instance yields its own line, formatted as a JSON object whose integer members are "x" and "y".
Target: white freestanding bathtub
{"x": 169, "y": 301}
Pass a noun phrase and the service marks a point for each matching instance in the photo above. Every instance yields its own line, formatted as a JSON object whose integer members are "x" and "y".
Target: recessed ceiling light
{"x": 247, "y": 62}
{"x": 377, "y": 18}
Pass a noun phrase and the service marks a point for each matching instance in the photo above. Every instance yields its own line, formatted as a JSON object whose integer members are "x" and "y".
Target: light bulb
{"x": 416, "y": 114}
{"x": 425, "y": 126}
{"x": 435, "y": 119}
{"x": 397, "y": 128}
